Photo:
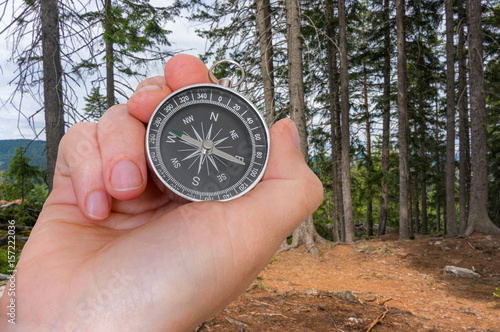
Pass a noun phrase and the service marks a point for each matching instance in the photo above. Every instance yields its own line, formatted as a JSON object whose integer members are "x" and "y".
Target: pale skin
{"x": 110, "y": 252}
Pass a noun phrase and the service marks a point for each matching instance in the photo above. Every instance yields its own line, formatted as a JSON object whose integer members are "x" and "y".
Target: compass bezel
{"x": 160, "y": 118}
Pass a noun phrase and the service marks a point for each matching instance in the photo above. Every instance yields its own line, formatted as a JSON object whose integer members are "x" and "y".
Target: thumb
{"x": 288, "y": 193}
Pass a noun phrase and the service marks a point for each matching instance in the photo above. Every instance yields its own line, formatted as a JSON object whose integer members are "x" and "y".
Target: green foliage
{"x": 4, "y": 261}
{"x": 22, "y": 175}
{"x": 23, "y": 181}
{"x": 136, "y": 30}
{"x": 20, "y": 214}
{"x": 95, "y": 104}
{"x": 497, "y": 294}
{"x": 37, "y": 196}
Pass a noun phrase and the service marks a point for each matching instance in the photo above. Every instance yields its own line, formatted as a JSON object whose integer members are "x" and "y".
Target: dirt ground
{"x": 377, "y": 285}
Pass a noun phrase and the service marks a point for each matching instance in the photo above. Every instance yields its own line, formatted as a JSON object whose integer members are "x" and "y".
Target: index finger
{"x": 180, "y": 71}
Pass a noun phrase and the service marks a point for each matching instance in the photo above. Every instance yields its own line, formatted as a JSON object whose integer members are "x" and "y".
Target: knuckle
{"x": 78, "y": 143}
{"x": 112, "y": 119}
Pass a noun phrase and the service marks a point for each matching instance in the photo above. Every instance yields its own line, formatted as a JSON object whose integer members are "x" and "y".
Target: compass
{"x": 207, "y": 142}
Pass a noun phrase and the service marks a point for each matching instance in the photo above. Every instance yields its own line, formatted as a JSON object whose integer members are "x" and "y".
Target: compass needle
{"x": 227, "y": 156}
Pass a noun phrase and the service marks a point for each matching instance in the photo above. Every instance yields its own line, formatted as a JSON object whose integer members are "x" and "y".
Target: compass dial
{"x": 207, "y": 142}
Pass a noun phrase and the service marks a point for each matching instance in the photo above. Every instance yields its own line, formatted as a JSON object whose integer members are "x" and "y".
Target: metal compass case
{"x": 207, "y": 141}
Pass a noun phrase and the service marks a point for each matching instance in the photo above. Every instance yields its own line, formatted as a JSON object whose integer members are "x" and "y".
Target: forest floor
{"x": 390, "y": 284}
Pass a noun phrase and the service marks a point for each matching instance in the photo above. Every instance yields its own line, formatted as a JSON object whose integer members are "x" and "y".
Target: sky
{"x": 14, "y": 126}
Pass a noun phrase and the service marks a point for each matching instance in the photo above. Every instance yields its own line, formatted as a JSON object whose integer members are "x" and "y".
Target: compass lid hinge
{"x": 225, "y": 82}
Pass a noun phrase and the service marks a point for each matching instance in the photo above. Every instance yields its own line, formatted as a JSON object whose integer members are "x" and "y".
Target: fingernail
{"x": 126, "y": 176}
{"x": 295, "y": 134}
{"x": 149, "y": 88}
{"x": 97, "y": 204}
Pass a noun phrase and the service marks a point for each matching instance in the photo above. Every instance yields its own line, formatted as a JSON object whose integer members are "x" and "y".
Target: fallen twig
{"x": 333, "y": 321}
{"x": 263, "y": 303}
{"x": 235, "y": 321}
{"x": 390, "y": 298}
{"x": 379, "y": 318}
{"x": 382, "y": 315}
{"x": 273, "y": 314}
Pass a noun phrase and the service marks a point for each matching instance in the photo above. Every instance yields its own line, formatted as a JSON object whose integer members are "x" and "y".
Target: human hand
{"x": 111, "y": 252}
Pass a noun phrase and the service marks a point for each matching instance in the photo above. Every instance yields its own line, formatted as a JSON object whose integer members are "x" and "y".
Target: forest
{"x": 397, "y": 102}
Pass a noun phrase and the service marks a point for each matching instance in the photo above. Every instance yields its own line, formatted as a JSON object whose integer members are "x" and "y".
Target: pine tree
{"x": 491, "y": 27}
{"x": 451, "y": 219}
{"x": 132, "y": 34}
{"x": 386, "y": 120}
{"x": 478, "y": 212}
{"x": 404, "y": 230}
{"x": 344, "y": 90}
{"x": 266, "y": 56}
{"x": 95, "y": 104}
{"x": 463, "y": 111}
{"x": 22, "y": 174}
{"x": 52, "y": 86}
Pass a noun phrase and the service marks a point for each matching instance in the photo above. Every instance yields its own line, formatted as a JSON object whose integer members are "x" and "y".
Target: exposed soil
{"x": 402, "y": 279}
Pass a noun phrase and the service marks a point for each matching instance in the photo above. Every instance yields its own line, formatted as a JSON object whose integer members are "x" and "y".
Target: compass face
{"x": 207, "y": 142}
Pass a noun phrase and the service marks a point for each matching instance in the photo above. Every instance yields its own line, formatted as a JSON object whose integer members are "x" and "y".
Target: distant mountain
{"x": 35, "y": 151}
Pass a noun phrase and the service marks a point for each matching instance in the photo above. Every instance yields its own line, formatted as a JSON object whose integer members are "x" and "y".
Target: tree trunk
{"x": 333, "y": 96}
{"x": 344, "y": 90}
{"x": 410, "y": 208}
{"x": 108, "y": 33}
{"x": 438, "y": 165}
{"x": 424, "y": 203}
{"x": 416, "y": 229}
{"x": 52, "y": 83}
{"x": 478, "y": 211}
{"x": 451, "y": 218}
{"x": 305, "y": 233}
{"x": 404, "y": 231}
{"x": 463, "y": 115}
{"x": 369, "y": 218}
{"x": 386, "y": 122}
{"x": 266, "y": 56}
{"x": 338, "y": 164}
